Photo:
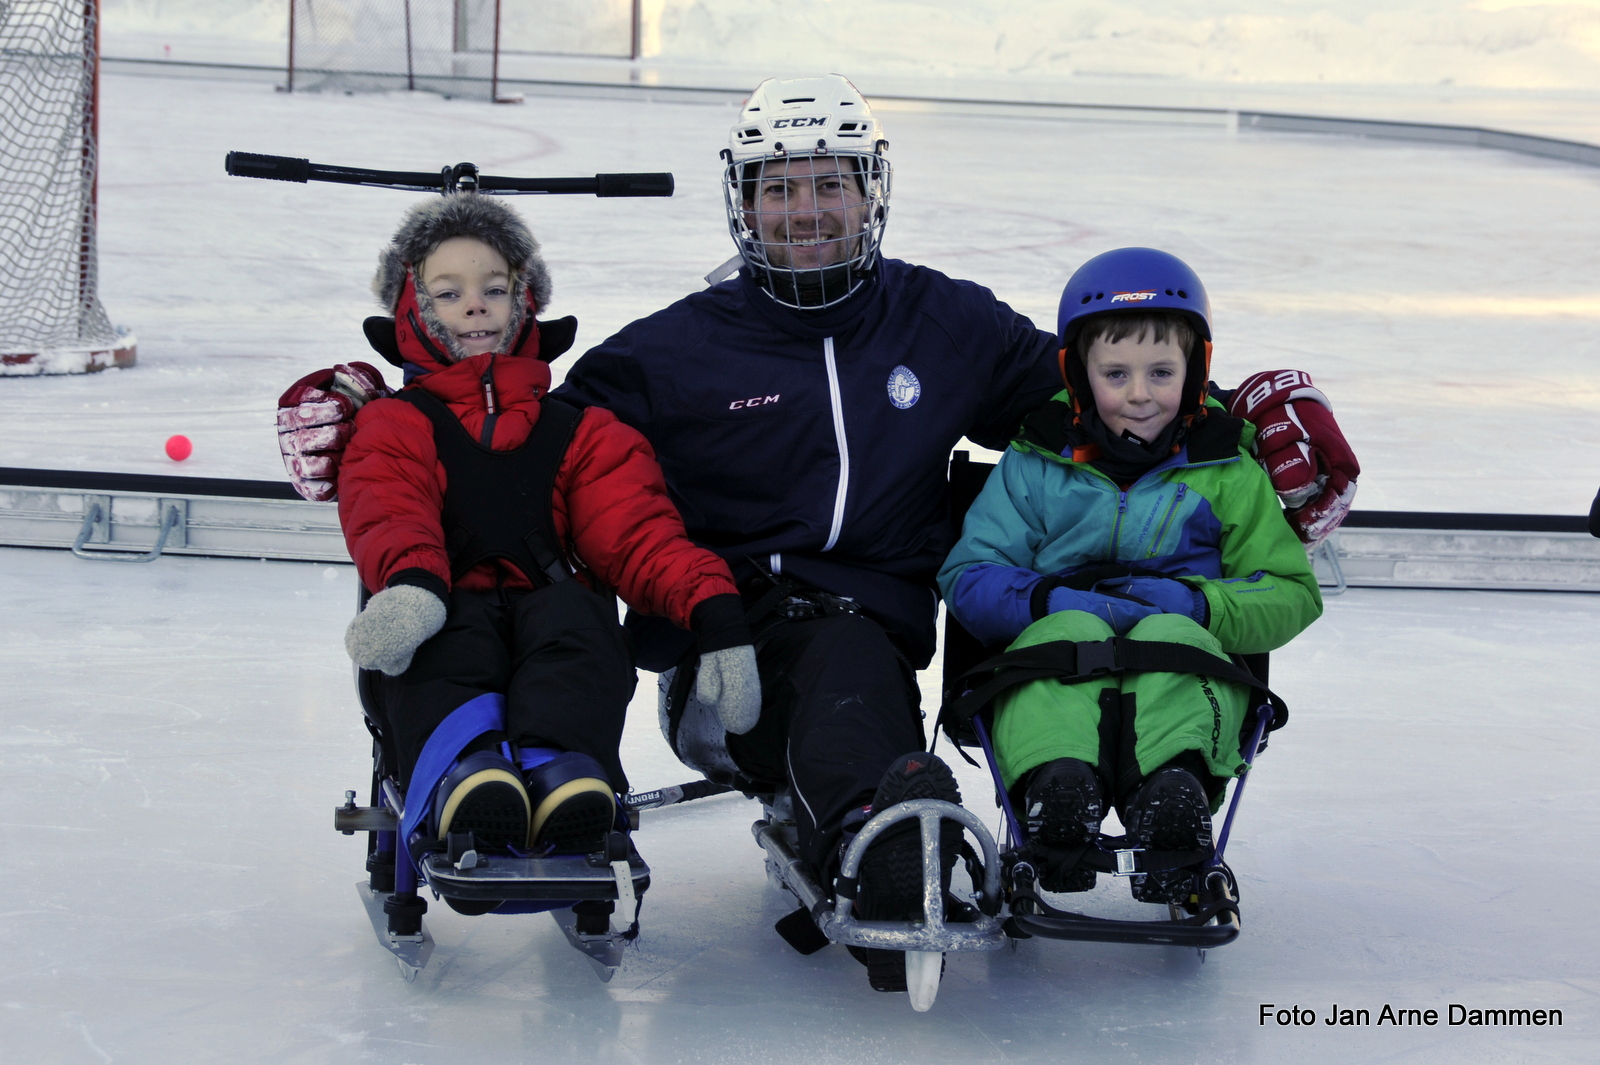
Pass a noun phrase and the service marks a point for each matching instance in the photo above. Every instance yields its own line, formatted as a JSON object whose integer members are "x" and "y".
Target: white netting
{"x": 364, "y": 45}
{"x": 355, "y": 45}
{"x": 48, "y": 296}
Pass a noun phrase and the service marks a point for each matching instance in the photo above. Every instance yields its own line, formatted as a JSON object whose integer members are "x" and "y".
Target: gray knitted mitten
{"x": 394, "y": 624}
{"x": 728, "y": 682}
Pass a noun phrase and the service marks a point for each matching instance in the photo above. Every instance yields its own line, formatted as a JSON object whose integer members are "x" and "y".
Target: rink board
{"x": 265, "y": 519}
{"x": 220, "y": 518}
{"x": 1465, "y": 557}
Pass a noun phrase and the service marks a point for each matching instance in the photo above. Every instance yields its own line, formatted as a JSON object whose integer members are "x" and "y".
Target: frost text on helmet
{"x": 1133, "y": 297}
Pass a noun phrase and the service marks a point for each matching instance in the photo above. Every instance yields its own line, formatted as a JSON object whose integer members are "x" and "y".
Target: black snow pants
{"x": 557, "y": 654}
{"x": 838, "y": 704}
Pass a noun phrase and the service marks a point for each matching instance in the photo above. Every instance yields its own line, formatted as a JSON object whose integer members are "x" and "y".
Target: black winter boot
{"x": 573, "y": 805}
{"x": 1168, "y": 813}
{"x": 891, "y": 871}
{"x": 1062, "y": 807}
{"x": 482, "y": 794}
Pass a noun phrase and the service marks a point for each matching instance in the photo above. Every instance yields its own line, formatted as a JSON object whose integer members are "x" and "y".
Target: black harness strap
{"x": 497, "y": 504}
{"x": 1074, "y": 663}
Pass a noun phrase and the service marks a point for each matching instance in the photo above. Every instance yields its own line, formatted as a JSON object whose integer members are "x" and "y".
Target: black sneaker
{"x": 1169, "y": 813}
{"x": 1062, "y": 807}
{"x": 891, "y": 871}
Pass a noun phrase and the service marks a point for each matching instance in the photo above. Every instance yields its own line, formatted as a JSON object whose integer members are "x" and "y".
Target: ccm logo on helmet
{"x": 1133, "y": 297}
{"x": 799, "y": 123}
{"x": 758, "y": 401}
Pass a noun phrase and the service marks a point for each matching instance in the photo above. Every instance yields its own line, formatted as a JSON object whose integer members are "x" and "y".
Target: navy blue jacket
{"x": 816, "y": 443}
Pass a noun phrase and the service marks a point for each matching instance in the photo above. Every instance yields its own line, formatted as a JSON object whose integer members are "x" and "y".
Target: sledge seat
{"x": 581, "y": 891}
{"x": 973, "y": 674}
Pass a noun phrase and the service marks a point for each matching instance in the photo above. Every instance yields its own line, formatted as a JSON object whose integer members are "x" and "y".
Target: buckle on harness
{"x": 1128, "y": 862}
{"x": 1096, "y": 658}
{"x": 810, "y": 604}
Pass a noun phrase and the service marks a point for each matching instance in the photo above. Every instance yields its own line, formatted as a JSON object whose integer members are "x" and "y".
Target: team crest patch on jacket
{"x": 904, "y": 388}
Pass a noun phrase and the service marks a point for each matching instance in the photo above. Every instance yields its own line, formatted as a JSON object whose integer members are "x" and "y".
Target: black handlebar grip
{"x": 273, "y": 167}
{"x": 633, "y": 184}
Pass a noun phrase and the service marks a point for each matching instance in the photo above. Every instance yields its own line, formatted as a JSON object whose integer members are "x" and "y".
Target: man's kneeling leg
{"x": 838, "y": 711}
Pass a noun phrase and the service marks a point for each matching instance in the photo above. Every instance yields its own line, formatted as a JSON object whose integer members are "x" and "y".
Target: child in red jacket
{"x": 492, "y": 524}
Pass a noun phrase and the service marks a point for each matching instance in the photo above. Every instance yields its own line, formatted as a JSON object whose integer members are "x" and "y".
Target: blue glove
{"x": 1167, "y": 595}
{"x": 1121, "y": 614}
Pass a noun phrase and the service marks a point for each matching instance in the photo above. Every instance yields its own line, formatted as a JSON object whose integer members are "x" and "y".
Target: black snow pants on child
{"x": 558, "y": 655}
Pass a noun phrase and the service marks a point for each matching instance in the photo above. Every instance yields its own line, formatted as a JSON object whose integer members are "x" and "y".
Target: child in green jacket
{"x": 1129, "y": 505}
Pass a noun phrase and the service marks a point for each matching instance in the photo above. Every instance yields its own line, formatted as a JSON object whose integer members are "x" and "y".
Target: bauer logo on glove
{"x": 1300, "y": 446}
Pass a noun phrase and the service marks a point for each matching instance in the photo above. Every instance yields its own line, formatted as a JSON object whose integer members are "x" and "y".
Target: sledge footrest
{"x": 558, "y": 878}
{"x": 1108, "y": 930}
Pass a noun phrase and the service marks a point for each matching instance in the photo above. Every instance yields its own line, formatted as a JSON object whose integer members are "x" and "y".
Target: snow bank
{"x": 1487, "y": 43}
{"x": 1470, "y": 43}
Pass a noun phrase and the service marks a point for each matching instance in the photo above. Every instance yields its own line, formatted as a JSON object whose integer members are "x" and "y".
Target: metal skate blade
{"x": 604, "y": 953}
{"x": 410, "y": 951}
{"x": 923, "y": 970}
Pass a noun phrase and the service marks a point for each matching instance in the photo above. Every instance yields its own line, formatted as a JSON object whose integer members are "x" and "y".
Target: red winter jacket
{"x": 611, "y": 508}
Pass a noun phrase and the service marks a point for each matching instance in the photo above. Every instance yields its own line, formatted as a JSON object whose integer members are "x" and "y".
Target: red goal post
{"x": 51, "y": 319}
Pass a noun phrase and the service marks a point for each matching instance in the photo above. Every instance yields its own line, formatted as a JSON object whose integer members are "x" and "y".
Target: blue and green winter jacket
{"x": 1207, "y": 515}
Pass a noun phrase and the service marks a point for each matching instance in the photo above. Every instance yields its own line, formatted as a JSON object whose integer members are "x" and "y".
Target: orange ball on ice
{"x": 179, "y": 447}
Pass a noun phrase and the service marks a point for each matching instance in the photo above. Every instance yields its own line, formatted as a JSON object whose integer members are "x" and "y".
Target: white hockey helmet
{"x": 806, "y": 188}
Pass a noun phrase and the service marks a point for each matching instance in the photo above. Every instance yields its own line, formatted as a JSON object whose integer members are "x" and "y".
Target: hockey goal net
{"x": 451, "y": 46}
{"x": 51, "y": 320}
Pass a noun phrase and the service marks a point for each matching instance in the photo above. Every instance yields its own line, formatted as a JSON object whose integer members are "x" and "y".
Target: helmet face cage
{"x": 809, "y": 223}
{"x": 806, "y": 188}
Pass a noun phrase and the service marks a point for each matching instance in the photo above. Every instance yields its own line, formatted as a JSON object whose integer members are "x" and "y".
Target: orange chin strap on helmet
{"x": 1061, "y": 364}
{"x": 1205, "y": 389}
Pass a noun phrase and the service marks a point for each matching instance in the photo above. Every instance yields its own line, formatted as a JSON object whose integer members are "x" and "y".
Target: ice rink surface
{"x": 173, "y": 736}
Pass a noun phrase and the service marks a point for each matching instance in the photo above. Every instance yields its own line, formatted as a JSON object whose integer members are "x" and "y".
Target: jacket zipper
{"x": 843, "y": 444}
{"x": 1172, "y": 509}
{"x": 1116, "y": 526}
{"x": 493, "y": 413}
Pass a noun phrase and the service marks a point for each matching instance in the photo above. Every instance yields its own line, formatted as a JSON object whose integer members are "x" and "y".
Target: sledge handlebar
{"x": 463, "y": 177}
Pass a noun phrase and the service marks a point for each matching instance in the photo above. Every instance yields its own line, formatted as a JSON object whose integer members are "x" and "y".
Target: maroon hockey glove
{"x": 316, "y": 418}
{"x": 1300, "y": 446}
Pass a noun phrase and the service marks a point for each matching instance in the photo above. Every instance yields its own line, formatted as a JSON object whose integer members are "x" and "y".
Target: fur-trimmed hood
{"x": 434, "y": 221}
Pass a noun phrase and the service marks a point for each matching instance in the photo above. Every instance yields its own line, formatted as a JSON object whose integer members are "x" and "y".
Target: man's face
{"x": 1137, "y": 383}
{"x": 808, "y": 212}
{"x": 470, "y": 285}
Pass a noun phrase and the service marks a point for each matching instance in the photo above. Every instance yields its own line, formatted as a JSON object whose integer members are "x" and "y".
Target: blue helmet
{"x": 1135, "y": 281}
